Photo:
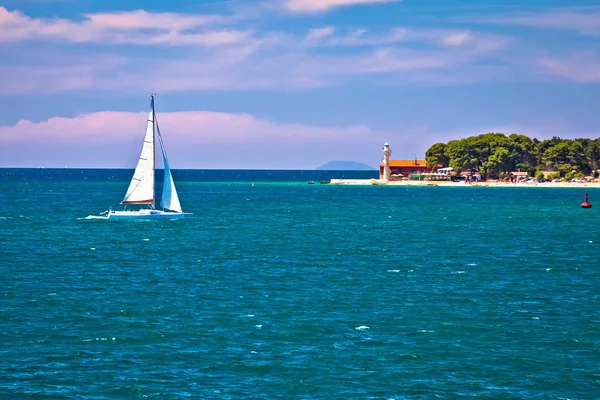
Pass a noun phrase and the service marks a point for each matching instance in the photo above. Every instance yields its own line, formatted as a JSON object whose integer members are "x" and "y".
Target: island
{"x": 344, "y": 166}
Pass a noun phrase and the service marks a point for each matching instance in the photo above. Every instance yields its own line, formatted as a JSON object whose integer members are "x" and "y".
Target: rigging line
{"x": 162, "y": 146}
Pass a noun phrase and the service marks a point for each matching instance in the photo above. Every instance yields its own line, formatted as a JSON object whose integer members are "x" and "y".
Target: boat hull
{"x": 144, "y": 214}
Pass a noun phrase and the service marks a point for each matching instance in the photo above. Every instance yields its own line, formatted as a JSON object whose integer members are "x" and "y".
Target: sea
{"x": 273, "y": 288}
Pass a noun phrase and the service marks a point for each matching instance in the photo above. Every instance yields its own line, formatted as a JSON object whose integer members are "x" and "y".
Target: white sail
{"x": 170, "y": 200}
{"x": 141, "y": 188}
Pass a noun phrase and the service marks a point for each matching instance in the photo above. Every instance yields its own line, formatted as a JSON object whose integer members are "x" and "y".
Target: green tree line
{"x": 495, "y": 155}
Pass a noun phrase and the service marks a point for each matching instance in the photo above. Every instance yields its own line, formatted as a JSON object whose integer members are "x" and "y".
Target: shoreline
{"x": 377, "y": 182}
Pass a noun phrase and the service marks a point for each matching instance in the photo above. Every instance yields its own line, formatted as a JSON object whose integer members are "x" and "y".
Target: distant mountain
{"x": 345, "y": 166}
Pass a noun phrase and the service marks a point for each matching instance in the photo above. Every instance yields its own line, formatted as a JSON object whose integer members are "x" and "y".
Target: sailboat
{"x": 141, "y": 188}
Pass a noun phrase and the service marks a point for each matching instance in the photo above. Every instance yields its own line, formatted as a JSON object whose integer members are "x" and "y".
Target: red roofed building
{"x": 406, "y": 167}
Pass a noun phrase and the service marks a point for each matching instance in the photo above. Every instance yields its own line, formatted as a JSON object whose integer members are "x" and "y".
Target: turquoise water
{"x": 289, "y": 290}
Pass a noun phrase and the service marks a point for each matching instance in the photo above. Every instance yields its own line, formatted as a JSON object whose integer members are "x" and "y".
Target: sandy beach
{"x": 573, "y": 185}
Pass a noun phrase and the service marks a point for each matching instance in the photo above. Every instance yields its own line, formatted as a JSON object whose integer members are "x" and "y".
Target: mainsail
{"x": 170, "y": 200}
{"x": 141, "y": 188}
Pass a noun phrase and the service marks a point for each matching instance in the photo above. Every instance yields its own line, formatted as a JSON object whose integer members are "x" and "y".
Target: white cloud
{"x": 585, "y": 20}
{"x": 133, "y": 27}
{"x": 315, "y": 6}
{"x": 457, "y": 39}
{"x": 319, "y": 33}
{"x": 363, "y": 37}
{"x": 581, "y": 67}
{"x": 228, "y": 58}
{"x": 276, "y": 62}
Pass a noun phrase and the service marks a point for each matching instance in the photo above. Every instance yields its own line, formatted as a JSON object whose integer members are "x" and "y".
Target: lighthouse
{"x": 387, "y": 152}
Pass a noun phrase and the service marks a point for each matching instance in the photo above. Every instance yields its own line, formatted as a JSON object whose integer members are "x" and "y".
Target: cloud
{"x": 315, "y": 6}
{"x": 585, "y": 20}
{"x": 319, "y": 33}
{"x": 582, "y": 67}
{"x": 194, "y": 139}
{"x": 427, "y": 38}
{"x": 277, "y": 61}
{"x": 226, "y": 58}
{"x": 58, "y": 72}
{"x": 141, "y": 19}
{"x": 457, "y": 39}
{"x": 203, "y": 139}
{"x": 132, "y": 27}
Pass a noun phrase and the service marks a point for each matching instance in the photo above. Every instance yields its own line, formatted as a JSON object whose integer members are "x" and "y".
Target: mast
{"x": 153, "y": 149}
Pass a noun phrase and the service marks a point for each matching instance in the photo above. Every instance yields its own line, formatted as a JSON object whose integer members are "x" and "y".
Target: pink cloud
{"x": 313, "y": 6}
{"x": 202, "y": 139}
{"x": 457, "y": 39}
{"x": 581, "y": 67}
{"x": 230, "y": 59}
{"x": 140, "y": 19}
{"x": 134, "y": 27}
{"x": 284, "y": 63}
{"x": 112, "y": 139}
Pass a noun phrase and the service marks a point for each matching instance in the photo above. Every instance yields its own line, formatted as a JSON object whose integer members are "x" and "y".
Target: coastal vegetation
{"x": 495, "y": 155}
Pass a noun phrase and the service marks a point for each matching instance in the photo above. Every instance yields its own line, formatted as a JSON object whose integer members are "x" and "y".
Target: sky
{"x": 289, "y": 84}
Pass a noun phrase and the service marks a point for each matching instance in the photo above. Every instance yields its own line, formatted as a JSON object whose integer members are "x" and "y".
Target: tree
{"x": 436, "y": 156}
{"x": 526, "y": 157}
{"x": 459, "y": 153}
{"x": 566, "y": 156}
{"x": 556, "y": 157}
{"x": 498, "y": 162}
{"x": 569, "y": 176}
{"x": 542, "y": 146}
{"x": 539, "y": 175}
{"x": 593, "y": 153}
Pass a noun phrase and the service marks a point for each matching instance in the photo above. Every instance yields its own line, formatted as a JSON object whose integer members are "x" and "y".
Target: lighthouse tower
{"x": 387, "y": 152}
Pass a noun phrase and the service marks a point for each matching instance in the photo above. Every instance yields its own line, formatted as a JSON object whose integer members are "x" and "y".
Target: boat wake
{"x": 95, "y": 217}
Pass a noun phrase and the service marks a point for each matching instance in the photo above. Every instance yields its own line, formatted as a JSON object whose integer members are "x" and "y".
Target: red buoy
{"x": 586, "y": 204}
